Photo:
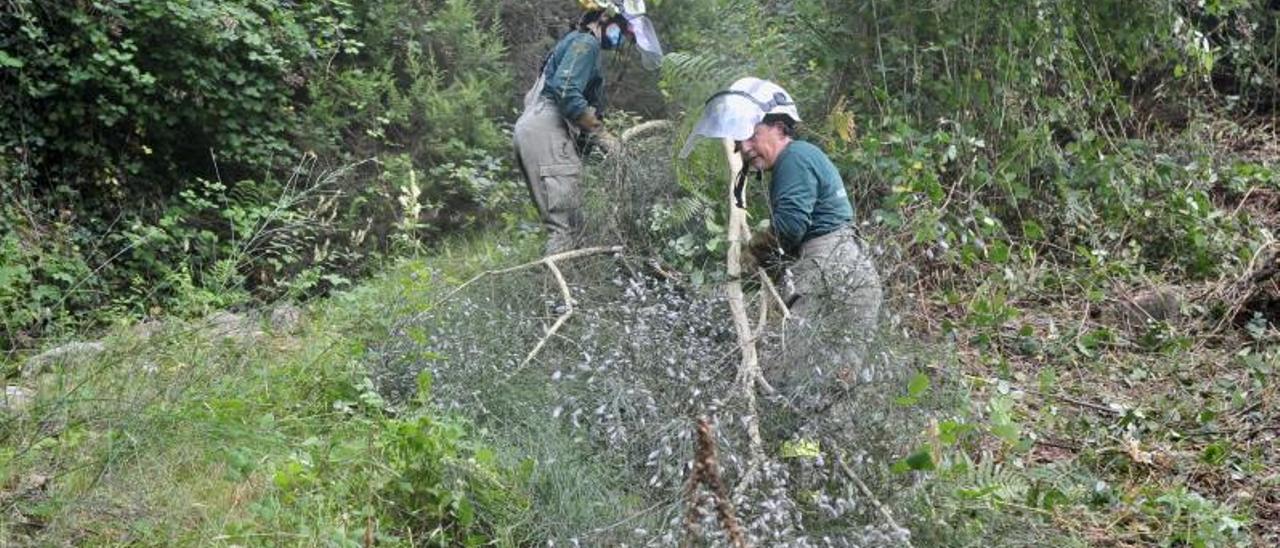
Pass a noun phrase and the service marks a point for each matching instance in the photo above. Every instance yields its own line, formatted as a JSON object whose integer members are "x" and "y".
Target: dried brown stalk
{"x": 706, "y": 471}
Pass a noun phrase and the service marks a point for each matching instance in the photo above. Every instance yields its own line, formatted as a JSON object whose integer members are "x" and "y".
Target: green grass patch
{"x": 186, "y": 436}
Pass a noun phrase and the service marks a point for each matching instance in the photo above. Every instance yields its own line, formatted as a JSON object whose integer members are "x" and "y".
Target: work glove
{"x": 763, "y": 251}
{"x": 588, "y": 121}
{"x": 596, "y": 134}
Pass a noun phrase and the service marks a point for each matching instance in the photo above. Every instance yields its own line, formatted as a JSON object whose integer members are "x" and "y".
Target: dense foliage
{"x": 156, "y": 151}
{"x": 968, "y": 123}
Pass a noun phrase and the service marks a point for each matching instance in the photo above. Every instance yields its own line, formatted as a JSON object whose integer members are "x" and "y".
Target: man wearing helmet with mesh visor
{"x": 831, "y": 278}
{"x": 562, "y": 112}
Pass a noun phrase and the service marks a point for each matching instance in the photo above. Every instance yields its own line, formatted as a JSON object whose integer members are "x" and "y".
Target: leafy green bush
{"x": 43, "y": 277}
{"x": 203, "y": 154}
{"x": 422, "y": 476}
{"x": 112, "y": 96}
{"x": 976, "y": 139}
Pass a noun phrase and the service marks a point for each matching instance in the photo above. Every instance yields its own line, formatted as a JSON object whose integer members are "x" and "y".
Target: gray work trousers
{"x": 834, "y": 295}
{"x": 545, "y": 151}
{"x": 837, "y": 390}
{"x": 833, "y": 274}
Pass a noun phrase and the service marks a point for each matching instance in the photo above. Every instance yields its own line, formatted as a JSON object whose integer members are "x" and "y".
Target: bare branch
{"x": 749, "y": 368}
{"x": 867, "y": 493}
{"x": 574, "y": 254}
{"x": 568, "y": 305}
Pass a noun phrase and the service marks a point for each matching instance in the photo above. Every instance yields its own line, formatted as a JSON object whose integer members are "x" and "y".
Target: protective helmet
{"x": 734, "y": 112}
{"x": 599, "y": 5}
{"x": 638, "y": 26}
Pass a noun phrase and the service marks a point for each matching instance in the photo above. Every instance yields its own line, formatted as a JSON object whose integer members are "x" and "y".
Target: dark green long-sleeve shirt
{"x": 575, "y": 75}
{"x": 806, "y": 196}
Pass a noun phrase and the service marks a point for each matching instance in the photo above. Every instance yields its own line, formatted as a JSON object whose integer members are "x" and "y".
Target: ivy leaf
{"x": 949, "y": 431}
{"x": 800, "y": 449}
{"x": 998, "y": 252}
{"x": 1216, "y": 453}
{"x": 1032, "y": 230}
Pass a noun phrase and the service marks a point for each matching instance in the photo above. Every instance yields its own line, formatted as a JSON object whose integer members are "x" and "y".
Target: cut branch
{"x": 550, "y": 262}
{"x": 866, "y": 491}
{"x": 574, "y": 254}
{"x": 749, "y": 367}
{"x": 772, "y": 291}
{"x": 568, "y": 311}
{"x": 645, "y": 128}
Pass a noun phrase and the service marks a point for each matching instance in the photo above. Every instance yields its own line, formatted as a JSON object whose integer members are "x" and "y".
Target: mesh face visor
{"x": 731, "y": 114}
{"x": 646, "y": 38}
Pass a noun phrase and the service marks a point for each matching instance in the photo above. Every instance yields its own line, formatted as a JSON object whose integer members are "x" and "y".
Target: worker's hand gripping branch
{"x": 588, "y": 121}
{"x": 596, "y": 133}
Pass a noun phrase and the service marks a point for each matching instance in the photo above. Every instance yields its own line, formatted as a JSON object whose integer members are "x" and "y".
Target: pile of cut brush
{"x": 606, "y": 354}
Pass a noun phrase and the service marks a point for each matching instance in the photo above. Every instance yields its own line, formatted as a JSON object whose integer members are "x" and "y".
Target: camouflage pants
{"x": 545, "y": 151}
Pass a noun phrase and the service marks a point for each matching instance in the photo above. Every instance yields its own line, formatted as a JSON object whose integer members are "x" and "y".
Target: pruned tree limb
{"x": 772, "y": 291}
{"x": 564, "y": 317}
{"x": 549, "y": 262}
{"x": 574, "y": 254}
{"x": 749, "y": 367}
{"x": 644, "y": 128}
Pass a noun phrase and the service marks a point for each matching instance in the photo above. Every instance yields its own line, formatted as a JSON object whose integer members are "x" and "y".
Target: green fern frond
{"x": 689, "y": 208}
{"x": 690, "y": 77}
{"x": 989, "y": 479}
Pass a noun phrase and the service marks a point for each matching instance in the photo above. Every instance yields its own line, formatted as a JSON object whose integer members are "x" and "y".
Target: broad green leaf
{"x": 793, "y": 449}
{"x": 1032, "y": 230}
